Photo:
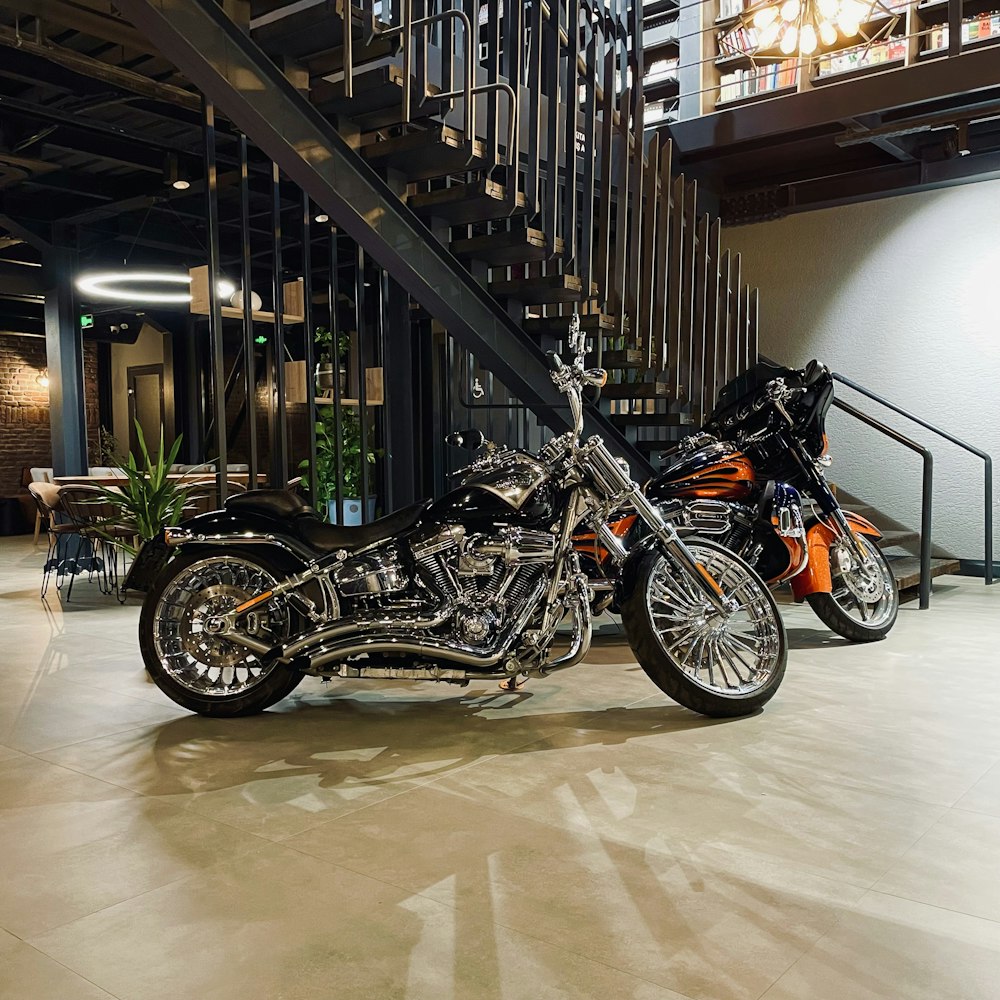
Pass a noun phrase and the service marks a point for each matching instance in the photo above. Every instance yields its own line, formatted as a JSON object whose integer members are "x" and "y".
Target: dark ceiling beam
{"x": 895, "y": 179}
{"x": 113, "y": 76}
{"x": 913, "y": 126}
{"x": 20, "y": 279}
{"x": 39, "y": 236}
{"x": 702, "y": 138}
{"x": 897, "y": 150}
{"x": 82, "y": 18}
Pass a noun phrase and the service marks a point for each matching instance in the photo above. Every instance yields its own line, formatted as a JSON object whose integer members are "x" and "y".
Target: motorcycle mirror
{"x": 470, "y": 438}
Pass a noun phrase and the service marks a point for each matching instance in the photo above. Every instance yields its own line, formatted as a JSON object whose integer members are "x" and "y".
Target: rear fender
{"x": 217, "y": 530}
{"x": 816, "y": 577}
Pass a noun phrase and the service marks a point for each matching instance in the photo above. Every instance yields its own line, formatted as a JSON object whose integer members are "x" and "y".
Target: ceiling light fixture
{"x": 323, "y": 218}
{"x": 43, "y": 378}
{"x": 180, "y": 184}
{"x": 145, "y": 287}
{"x": 801, "y": 27}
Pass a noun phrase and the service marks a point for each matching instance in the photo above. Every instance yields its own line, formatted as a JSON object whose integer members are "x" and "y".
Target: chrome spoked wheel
{"x": 733, "y": 655}
{"x": 865, "y": 593}
{"x": 188, "y": 652}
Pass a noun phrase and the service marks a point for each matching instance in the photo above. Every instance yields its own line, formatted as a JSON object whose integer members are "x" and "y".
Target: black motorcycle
{"x": 244, "y": 602}
{"x": 754, "y": 480}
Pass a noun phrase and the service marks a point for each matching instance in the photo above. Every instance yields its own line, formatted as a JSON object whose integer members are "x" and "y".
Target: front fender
{"x": 628, "y": 575}
{"x": 816, "y": 577}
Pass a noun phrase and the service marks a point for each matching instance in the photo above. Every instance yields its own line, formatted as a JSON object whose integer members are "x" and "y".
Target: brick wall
{"x": 24, "y": 407}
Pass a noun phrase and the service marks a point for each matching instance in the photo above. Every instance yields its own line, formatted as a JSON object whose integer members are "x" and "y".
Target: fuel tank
{"x": 717, "y": 471}
{"x": 514, "y": 489}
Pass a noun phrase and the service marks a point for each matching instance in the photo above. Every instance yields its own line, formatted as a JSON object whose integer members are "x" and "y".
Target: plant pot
{"x": 324, "y": 376}
{"x": 352, "y": 511}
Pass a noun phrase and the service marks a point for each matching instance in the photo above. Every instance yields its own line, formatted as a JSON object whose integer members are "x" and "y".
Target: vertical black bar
{"x": 604, "y": 265}
{"x": 633, "y": 257}
{"x": 531, "y": 187}
{"x": 348, "y": 50}
{"x": 64, "y": 354}
{"x": 585, "y": 251}
{"x": 403, "y": 445}
{"x": 988, "y": 501}
{"x": 954, "y": 27}
{"x": 215, "y": 306}
{"x": 249, "y": 367}
{"x": 926, "y": 520}
{"x": 492, "y": 76}
{"x": 360, "y": 316}
{"x": 621, "y": 146}
{"x": 572, "y": 99}
{"x": 279, "y": 446}
{"x": 309, "y": 339}
{"x": 550, "y": 63}
{"x": 338, "y": 427}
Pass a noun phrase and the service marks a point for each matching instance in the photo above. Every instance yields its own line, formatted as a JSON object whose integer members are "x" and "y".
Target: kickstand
{"x": 514, "y": 683}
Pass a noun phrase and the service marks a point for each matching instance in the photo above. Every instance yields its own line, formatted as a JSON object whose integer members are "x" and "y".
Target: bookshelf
{"x": 661, "y": 57}
{"x": 733, "y": 71}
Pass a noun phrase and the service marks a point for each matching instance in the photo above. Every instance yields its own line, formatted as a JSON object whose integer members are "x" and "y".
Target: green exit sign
{"x": 86, "y": 321}
{"x": 260, "y": 339}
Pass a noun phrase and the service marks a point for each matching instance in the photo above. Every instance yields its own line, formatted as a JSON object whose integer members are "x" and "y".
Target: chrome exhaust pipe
{"x": 340, "y": 643}
{"x": 580, "y": 646}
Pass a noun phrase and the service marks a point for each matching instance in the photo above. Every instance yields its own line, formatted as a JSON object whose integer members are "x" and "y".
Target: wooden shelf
{"x": 936, "y": 11}
{"x": 857, "y": 71}
{"x": 348, "y": 401}
{"x": 293, "y": 295}
{"x": 760, "y": 96}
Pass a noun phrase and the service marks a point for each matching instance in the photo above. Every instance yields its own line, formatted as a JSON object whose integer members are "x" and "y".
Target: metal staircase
{"x": 497, "y": 167}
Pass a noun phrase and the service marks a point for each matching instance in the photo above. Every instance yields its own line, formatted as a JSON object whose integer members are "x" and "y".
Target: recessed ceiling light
{"x": 322, "y": 218}
{"x": 180, "y": 184}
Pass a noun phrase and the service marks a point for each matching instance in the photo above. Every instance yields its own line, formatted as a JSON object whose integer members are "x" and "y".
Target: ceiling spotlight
{"x": 147, "y": 287}
{"x": 323, "y": 218}
{"x": 225, "y": 288}
{"x": 174, "y": 174}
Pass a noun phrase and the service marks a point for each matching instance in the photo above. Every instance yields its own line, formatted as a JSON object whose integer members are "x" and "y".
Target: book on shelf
{"x": 738, "y": 41}
{"x": 889, "y": 50}
{"x": 733, "y": 8}
{"x": 974, "y": 29}
{"x": 762, "y": 80}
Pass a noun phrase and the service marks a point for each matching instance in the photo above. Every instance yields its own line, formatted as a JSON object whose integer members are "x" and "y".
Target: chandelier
{"x": 802, "y": 26}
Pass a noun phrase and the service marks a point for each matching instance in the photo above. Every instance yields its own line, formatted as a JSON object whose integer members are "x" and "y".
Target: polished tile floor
{"x": 584, "y": 839}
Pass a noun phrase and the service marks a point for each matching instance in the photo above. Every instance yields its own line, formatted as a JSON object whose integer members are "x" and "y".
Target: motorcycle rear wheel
{"x": 207, "y": 675}
{"x": 846, "y": 610}
{"x": 721, "y": 667}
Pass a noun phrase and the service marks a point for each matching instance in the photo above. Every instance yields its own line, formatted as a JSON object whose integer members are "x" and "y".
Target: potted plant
{"x": 325, "y": 363}
{"x": 147, "y": 499}
{"x": 326, "y": 466}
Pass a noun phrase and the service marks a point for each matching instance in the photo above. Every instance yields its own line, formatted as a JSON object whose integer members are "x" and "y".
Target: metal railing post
{"x": 926, "y": 500}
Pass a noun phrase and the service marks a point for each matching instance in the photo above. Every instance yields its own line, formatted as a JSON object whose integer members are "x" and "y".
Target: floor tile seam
{"x": 159, "y": 799}
{"x": 460, "y": 909}
{"x": 34, "y": 940}
{"x": 68, "y": 968}
{"x": 92, "y": 739}
{"x": 875, "y": 890}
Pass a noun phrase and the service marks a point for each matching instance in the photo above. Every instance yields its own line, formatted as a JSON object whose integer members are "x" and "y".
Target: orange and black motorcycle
{"x": 753, "y": 480}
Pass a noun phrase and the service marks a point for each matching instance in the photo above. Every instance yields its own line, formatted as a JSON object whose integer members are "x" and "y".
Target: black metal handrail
{"x": 987, "y": 460}
{"x": 926, "y": 491}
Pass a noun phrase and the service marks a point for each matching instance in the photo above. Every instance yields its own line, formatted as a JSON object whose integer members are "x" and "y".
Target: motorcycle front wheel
{"x": 204, "y": 673}
{"x": 720, "y": 665}
{"x": 865, "y": 600}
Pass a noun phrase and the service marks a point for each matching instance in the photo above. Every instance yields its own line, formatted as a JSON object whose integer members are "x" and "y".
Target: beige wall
{"x": 147, "y": 350}
{"x": 900, "y": 295}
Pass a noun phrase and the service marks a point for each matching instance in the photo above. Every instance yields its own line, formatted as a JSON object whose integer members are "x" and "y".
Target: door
{"x": 145, "y": 406}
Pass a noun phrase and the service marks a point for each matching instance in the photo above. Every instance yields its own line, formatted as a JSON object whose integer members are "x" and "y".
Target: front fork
{"x": 671, "y": 546}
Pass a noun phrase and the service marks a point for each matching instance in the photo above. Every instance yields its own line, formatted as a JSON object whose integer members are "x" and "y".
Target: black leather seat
{"x": 324, "y": 538}
{"x": 302, "y": 520}
{"x": 270, "y": 503}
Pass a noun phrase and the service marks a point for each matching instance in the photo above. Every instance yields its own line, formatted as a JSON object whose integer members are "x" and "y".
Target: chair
{"x": 39, "y": 475}
{"x": 98, "y": 520}
{"x": 47, "y": 497}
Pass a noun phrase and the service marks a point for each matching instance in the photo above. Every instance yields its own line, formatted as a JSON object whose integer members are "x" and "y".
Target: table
{"x": 243, "y": 478}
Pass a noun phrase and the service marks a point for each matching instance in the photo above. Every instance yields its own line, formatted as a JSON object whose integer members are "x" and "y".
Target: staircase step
{"x": 544, "y": 290}
{"x": 377, "y": 100}
{"x": 906, "y": 570}
{"x": 314, "y": 36}
{"x": 673, "y": 419}
{"x": 556, "y": 326}
{"x": 634, "y": 390}
{"x": 891, "y": 539}
{"x": 619, "y": 359}
{"x": 421, "y": 156}
{"x": 510, "y": 246}
{"x": 462, "y": 204}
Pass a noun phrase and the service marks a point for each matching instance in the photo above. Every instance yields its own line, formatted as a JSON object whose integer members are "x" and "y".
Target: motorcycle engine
{"x": 487, "y": 576}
